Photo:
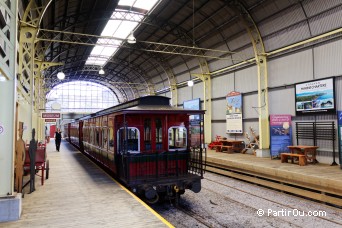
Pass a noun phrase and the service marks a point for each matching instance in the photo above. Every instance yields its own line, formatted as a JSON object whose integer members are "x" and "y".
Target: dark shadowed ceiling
{"x": 170, "y": 39}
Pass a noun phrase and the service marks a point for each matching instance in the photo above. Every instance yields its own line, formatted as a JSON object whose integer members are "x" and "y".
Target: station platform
{"x": 79, "y": 194}
{"x": 320, "y": 182}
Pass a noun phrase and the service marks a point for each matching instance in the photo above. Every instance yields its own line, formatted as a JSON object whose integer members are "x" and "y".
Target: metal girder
{"x": 147, "y": 46}
{"x": 39, "y": 90}
{"x": 74, "y": 60}
{"x": 7, "y": 61}
{"x": 261, "y": 62}
{"x": 87, "y": 72}
{"x": 107, "y": 41}
{"x": 166, "y": 26}
{"x": 171, "y": 78}
{"x": 173, "y": 86}
{"x": 28, "y": 71}
{"x": 26, "y": 60}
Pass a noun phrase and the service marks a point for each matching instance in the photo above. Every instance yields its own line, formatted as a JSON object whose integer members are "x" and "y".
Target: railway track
{"x": 225, "y": 202}
{"x": 205, "y": 220}
{"x": 302, "y": 210}
{"x": 317, "y": 195}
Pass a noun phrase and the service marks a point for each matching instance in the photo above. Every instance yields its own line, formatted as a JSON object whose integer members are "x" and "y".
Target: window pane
{"x": 159, "y": 136}
{"x": 81, "y": 96}
{"x": 177, "y": 138}
{"x": 147, "y": 134}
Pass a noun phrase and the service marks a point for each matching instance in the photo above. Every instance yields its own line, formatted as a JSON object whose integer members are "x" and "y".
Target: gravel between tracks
{"x": 225, "y": 202}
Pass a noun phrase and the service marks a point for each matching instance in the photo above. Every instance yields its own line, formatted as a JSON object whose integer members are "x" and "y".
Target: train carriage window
{"x": 88, "y": 132}
{"x": 147, "y": 134}
{"x": 105, "y": 138}
{"x": 159, "y": 136}
{"x": 132, "y": 144}
{"x": 84, "y": 132}
{"x": 177, "y": 138}
{"x": 92, "y": 135}
{"x": 111, "y": 132}
{"x": 105, "y": 121}
{"x": 97, "y": 137}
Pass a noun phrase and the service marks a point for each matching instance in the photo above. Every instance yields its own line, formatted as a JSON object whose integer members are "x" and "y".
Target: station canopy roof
{"x": 147, "y": 46}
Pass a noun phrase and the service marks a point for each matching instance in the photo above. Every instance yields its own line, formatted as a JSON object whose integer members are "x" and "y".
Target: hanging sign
{"x": 281, "y": 134}
{"x": 51, "y": 115}
{"x": 234, "y": 112}
{"x": 50, "y": 120}
{"x": 339, "y": 117}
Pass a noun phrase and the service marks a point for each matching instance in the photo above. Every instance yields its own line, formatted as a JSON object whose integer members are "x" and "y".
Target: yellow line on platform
{"x": 135, "y": 197}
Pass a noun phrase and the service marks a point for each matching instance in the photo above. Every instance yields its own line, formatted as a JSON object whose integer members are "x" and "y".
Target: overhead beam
{"x": 107, "y": 41}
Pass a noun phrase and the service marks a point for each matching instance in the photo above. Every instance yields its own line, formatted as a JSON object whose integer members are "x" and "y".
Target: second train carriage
{"x": 147, "y": 144}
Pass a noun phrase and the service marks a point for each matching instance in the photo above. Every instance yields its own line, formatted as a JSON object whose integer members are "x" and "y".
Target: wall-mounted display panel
{"x": 315, "y": 97}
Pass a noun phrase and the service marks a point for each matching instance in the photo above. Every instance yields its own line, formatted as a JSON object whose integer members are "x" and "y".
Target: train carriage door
{"x": 158, "y": 126}
{"x": 153, "y": 133}
{"x": 111, "y": 142}
{"x": 147, "y": 135}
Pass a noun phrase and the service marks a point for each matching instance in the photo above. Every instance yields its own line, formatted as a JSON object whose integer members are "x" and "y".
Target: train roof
{"x": 160, "y": 109}
{"x": 147, "y": 104}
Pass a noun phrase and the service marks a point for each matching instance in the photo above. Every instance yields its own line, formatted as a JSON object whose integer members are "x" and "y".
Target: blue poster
{"x": 339, "y": 117}
{"x": 281, "y": 134}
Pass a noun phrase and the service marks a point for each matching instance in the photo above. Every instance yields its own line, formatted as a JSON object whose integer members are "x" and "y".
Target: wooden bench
{"x": 229, "y": 149}
{"x": 301, "y": 158}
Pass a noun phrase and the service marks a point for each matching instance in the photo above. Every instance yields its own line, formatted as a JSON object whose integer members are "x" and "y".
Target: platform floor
{"x": 79, "y": 194}
{"x": 317, "y": 176}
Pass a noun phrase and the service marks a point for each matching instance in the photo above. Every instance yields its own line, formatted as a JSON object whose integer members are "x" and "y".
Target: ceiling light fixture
{"x": 101, "y": 71}
{"x": 2, "y": 78}
{"x": 131, "y": 39}
{"x": 190, "y": 83}
{"x": 60, "y": 75}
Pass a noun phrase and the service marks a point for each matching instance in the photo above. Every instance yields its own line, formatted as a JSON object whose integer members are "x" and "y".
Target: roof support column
{"x": 26, "y": 75}
{"x": 39, "y": 94}
{"x": 261, "y": 60}
{"x": 26, "y": 71}
{"x": 173, "y": 86}
{"x": 205, "y": 77}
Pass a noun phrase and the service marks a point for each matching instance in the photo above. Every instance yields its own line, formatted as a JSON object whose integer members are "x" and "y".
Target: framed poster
{"x": 315, "y": 97}
{"x": 234, "y": 112}
{"x": 281, "y": 134}
{"x": 194, "y": 104}
{"x": 196, "y": 130}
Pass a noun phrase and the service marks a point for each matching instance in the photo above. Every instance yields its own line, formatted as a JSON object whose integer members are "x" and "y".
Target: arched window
{"x": 80, "y": 96}
{"x": 177, "y": 138}
{"x": 130, "y": 138}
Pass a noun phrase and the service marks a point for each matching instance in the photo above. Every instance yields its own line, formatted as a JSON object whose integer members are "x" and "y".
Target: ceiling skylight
{"x": 119, "y": 28}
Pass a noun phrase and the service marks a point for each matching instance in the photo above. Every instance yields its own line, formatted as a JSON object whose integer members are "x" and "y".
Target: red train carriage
{"x": 146, "y": 143}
